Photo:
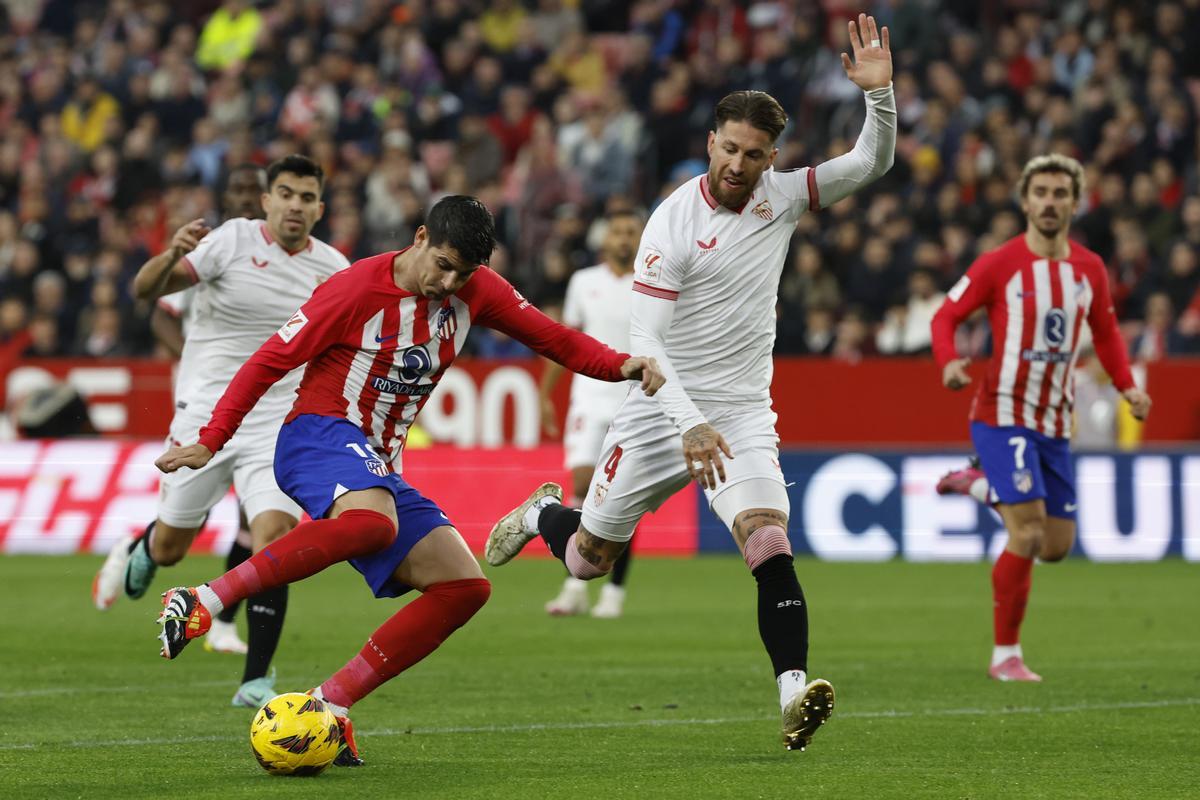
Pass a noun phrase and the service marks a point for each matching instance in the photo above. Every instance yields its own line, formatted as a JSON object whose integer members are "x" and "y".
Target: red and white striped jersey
{"x": 376, "y": 352}
{"x": 1036, "y": 307}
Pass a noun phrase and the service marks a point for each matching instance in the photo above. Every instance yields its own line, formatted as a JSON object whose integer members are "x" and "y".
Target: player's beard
{"x": 1048, "y": 226}
{"x": 724, "y": 196}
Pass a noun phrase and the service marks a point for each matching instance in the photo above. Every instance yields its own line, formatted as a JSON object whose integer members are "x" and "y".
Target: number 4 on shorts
{"x": 610, "y": 466}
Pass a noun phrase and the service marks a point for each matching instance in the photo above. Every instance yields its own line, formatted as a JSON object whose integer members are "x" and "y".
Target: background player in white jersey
{"x": 240, "y": 197}
{"x": 250, "y": 277}
{"x": 705, "y": 289}
{"x": 597, "y": 303}
{"x": 1039, "y": 288}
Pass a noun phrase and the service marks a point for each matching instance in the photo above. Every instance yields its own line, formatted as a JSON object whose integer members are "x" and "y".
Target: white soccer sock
{"x": 1003, "y": 652}
{"x": 209, "y": 599}
{"x": 790, "y": 682}
{"x": 980, "y": 490}
{"x": 530, "y": 521}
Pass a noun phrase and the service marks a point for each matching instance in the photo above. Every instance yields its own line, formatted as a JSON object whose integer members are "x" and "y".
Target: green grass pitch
{"x": 674, "y": 700}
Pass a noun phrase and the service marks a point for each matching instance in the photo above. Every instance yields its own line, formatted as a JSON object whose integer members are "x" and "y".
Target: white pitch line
{"x": 645, "y": 723}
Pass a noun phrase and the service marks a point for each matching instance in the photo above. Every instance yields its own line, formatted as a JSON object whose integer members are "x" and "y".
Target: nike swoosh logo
{"x": 382, "y": 339}
{"x": 1070, "y": 506}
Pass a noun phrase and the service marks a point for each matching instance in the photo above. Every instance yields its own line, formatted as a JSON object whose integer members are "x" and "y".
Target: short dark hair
{"x": 757, "y": 108}
{"x": 245, "y": 166}
{"x": 465, "y": 224}
{"x": 296, "y": 164}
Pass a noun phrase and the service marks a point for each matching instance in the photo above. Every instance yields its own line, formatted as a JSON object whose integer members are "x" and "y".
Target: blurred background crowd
{"x": 120, "y": 120}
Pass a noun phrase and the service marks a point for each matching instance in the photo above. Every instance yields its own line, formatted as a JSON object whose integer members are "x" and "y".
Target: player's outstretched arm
{"x": 192, "y": 456}
{"x": 165, "y": 273}
{"x": 875, "y": 150}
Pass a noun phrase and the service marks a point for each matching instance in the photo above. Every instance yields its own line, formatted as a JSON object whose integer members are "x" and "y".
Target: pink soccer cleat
{"x": 960, "y": 480}
{"x": 1013, "y": 669}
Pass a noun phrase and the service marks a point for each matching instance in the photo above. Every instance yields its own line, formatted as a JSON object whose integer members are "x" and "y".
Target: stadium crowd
{"x": 120, "y": 120}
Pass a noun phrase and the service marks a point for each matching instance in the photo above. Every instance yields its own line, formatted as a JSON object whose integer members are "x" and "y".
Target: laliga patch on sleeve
{"x": 651, "y": 267}
{"x": 959, "y": 289}
{"x": 293, "y": 326}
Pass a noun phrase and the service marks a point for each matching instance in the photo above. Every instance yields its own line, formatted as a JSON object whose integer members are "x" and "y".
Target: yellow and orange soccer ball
{"x": 295, "y": 734}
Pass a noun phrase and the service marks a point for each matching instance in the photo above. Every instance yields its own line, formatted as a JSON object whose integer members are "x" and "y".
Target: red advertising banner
{"x": 492, "y": 404}
{"x": 82, "y": 495}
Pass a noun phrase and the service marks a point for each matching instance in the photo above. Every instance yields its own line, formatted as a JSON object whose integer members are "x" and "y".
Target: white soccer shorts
{"x": 584, "y": 436}
{"x": 247, "y": 463}
{"x": 641, "y": 462}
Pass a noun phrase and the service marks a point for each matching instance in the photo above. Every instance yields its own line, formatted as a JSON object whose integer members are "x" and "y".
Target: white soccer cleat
{"x": 805, "y": 713}
{"x": 223, "y": 638}
{"x": 510, "y": 534}
{"x": 571, "y": 601}
{"x": 109, "y": 582}
{"x": 612, "y": 602}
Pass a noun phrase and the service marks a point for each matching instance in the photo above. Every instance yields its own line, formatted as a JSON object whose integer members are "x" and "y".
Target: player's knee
{"x": 764, "y": 543}
{"x": 586, "y": 561}
{"x": 1053, "y": 552}
{"x": 475, "y": 593}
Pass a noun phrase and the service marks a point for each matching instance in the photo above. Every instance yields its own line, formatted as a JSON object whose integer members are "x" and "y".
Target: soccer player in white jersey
{"x": 250, "y": 276}
{"x": 240, "y": 197}
{"x": 597, "y": 303}
{"x": 705, "y": 289}
{"x": 1038, "y": 288}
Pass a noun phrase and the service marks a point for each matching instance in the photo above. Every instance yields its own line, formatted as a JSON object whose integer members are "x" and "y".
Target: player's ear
{"x": 771, "y": 158}
{"x": 712, "y": 141}
{"x": 320, "y": 209}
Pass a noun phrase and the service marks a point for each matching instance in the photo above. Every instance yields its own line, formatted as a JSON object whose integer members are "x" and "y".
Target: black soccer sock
{"x": 264, "y": 613}
{"x": 621, "y": 566}
{"x": 556, "y": 524}
{"x": 782, "y": 614}
{"x": 237, "y": 554}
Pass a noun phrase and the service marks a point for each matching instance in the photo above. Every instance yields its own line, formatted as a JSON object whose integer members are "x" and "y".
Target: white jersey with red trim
{"x": 247, "y": 286}
{"x": 597, "y": 303}
{"x": 719, "y": 270}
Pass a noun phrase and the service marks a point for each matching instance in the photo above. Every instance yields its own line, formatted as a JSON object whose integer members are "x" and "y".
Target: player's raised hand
{"x": 872, "y": 64}
{"x": 702, "y": 448}
{"x": 193, "y": 456}
{"x": 646, "y": 370}
{"x": 954, "y": 374}
{"x": 187, "y": 237}
{"x": 1139, "y": 402}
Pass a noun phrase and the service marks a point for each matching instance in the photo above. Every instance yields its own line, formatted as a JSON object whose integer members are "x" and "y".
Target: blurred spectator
{"x": 1159, "y": 337}
{"x": 44, "y": 340}
{"x": 86, "y": 116}
{"x": 229, "y": 36}
{"x": 906, "y": 326}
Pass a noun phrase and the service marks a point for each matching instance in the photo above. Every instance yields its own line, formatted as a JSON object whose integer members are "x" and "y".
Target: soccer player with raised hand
{"x": 377, "y": 339}
{"x": 705, "y": 288}
{"x": 1039, "y": 289}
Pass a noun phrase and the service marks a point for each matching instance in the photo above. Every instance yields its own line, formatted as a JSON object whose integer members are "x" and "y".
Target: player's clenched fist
{"x": 186, "y": 238}
{"x": 193, "y": 456}
{"x": 1139, "y": 402}
{"x": 646, "y": 370}
{"x": 954, "y": 374}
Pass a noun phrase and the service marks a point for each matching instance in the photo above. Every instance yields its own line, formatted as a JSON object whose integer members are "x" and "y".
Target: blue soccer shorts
{"x": 1023, "y": 465}
{"x": 318, "y": 459}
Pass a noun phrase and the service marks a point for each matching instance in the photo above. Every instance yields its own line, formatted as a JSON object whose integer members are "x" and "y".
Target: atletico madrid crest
{"x": 447, "y": 323}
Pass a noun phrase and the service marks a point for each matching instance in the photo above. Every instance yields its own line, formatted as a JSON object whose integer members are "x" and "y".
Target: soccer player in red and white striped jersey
{"x": 1039, "y": 289}
{"x": 377, "y": 338}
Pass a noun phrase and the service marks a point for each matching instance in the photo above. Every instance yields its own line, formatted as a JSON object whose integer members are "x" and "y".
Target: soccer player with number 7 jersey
{"x": 377, "y": 338}
{"x": 1039, "y": 289}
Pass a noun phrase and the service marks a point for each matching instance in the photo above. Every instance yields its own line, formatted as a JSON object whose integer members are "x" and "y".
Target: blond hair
{"x": 1053, "y": 162}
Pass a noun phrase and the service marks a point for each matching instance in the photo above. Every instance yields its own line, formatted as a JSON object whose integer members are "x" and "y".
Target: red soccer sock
{"x": 306, "y": 550}
{"x": 1011, "y": 578}
{"x": 408, "y": 636}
